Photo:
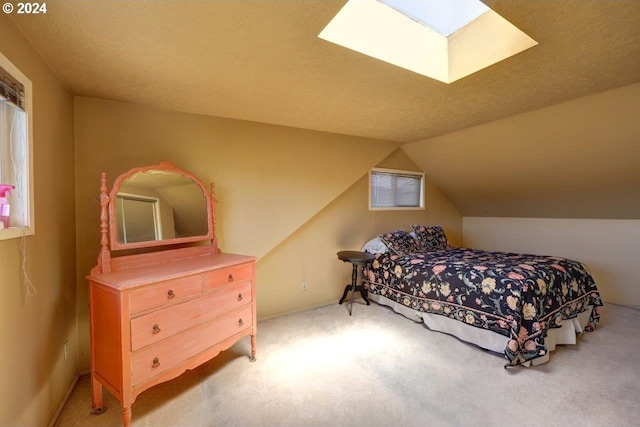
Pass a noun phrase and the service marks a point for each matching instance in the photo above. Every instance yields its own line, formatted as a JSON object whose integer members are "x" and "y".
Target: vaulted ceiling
{"x": 262, "y": 61}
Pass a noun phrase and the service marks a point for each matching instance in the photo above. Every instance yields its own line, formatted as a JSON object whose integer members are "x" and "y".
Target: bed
{"x": 521, "y": 305}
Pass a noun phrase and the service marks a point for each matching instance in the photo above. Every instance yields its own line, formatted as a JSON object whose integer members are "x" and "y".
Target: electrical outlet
{"x": 66, "y": 349}
{"x": 304, "y": 285}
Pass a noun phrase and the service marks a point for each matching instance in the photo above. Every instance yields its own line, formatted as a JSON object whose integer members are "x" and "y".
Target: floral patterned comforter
{"x": 516, "y": 295}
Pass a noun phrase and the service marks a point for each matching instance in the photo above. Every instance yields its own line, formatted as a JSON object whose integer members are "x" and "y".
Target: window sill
{"x": 15, "y": 232}
{"x": 396, "y": 208}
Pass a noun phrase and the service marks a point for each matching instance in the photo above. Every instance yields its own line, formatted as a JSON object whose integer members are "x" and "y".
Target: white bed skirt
{"x": 484, "y": 338}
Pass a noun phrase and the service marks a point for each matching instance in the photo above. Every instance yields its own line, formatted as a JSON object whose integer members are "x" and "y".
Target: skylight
{"x": 443, "y": 16}
{"x": 442, "y": 39}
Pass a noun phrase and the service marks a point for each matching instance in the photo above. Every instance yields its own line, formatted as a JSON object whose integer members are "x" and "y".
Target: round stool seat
{"x": 355, "y": 257}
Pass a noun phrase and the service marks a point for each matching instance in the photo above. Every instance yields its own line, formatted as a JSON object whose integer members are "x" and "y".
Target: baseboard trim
{"x": 298, "y": 310}
{"x": 54, "y": 420}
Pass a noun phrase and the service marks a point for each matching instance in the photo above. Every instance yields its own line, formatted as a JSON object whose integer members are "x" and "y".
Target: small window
{"x": 15, "y": 148}
{"x": 395, "y": 189}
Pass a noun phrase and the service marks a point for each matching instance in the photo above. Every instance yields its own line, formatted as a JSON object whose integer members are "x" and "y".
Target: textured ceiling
{"x": 262, "y": 61}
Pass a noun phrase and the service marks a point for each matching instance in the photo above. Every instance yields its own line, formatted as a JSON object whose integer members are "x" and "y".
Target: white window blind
{"x": 11, "y": 90}
{"x": 395, "y": 189}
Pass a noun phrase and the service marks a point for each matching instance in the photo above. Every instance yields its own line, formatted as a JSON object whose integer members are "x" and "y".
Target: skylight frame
{"x": 376, "y": 29}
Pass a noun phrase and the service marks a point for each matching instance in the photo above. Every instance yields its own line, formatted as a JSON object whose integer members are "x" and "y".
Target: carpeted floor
{"x": 377, "y": 368}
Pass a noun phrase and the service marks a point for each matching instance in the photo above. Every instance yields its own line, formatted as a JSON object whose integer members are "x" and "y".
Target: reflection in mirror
{"x": 138, "y": 218}
{"x": 159, "y": 205}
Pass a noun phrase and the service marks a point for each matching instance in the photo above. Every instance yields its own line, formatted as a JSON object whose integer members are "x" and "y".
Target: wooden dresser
{"x": 155, "y": 315}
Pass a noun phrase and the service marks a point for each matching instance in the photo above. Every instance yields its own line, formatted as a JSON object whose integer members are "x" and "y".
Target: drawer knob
{"x": 156, "y": 329}
{"x": 230, "y": 278}
{"x": 156, "y": 363}
{"x": 240, "y": 322}
{"x": 170, "y": 294}
{"x": 239, "y": 297}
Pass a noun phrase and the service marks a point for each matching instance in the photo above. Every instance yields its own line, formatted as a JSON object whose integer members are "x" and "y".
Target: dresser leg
{"x": 126, "y": 416}
{"x": 97, "y": 397}
{"x": 253, "y": 349}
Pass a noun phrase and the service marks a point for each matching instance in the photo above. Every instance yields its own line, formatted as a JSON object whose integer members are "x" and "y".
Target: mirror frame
{"x": 164, "y": 167}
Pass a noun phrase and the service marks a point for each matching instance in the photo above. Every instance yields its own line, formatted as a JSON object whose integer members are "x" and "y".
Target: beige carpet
{"x": 376, "y": 368}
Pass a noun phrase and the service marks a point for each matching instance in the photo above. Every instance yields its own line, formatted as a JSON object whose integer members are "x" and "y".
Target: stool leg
{"x": 344, "y": 295}
{"x": 354, "y": 279}
{"x": 363, "y": 292}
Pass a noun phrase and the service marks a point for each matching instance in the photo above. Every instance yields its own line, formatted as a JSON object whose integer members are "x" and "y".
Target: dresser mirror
{"x": 158, "y": 205}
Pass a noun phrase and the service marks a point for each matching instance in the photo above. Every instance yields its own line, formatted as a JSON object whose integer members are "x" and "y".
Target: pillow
{"x": 430, "y": 237}
{"x": 400, "y": 242}
{"x": 375, "y": 246}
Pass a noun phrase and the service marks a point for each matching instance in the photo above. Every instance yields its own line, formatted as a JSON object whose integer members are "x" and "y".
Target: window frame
{"x": 27, "y": 168}
{"x": 397, "y": 172}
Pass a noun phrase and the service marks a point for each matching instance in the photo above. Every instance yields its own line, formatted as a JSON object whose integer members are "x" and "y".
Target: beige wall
{"x": 345, "y": 224}
{"x": 611, "y": 248}
{"x": 274, "y": 184}
{"x": 35, "y": 376}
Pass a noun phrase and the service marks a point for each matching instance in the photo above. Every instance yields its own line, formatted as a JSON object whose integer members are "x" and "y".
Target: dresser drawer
{"x": 228, "y": 275}
{"x": 164, "y": 293}
{"x": 163, "y": 323}
{"x": 168, "y": 353}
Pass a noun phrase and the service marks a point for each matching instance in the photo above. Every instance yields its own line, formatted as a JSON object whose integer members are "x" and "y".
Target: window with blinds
{"x": 11, "y": 90}
{"x": 395, "y": 189}
{"x": 15, "y": 148}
